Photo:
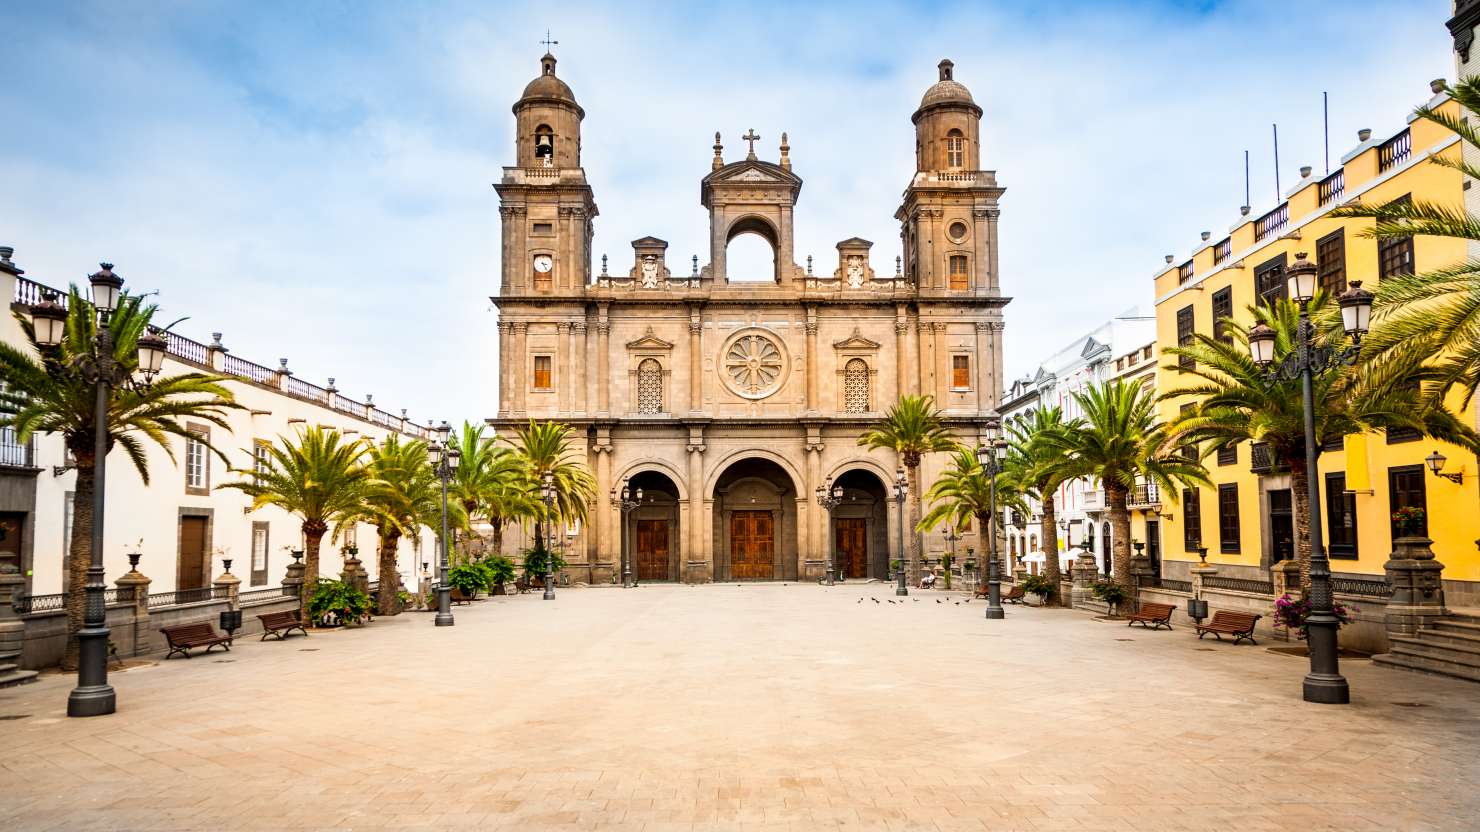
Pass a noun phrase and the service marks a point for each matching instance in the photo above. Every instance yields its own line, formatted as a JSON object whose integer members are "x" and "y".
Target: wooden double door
{"x": 652, "y": 550}
{"x": 752, "y": 545}
{"x": 850, "y": 546}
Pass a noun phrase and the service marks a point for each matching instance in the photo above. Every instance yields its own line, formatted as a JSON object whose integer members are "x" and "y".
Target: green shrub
{"x": 1038, "y": 585}
{"x": 1109, "y": 592}
{"x": 496, "y": 571}
{"x": 343, "y": 600}
{"x": 534, "y": 562}
{"x": 467, "y": 577}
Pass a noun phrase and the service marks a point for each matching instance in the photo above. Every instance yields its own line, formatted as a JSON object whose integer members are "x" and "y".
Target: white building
{"x": 1122, "y": 347}
{"x": 181, "y": 524}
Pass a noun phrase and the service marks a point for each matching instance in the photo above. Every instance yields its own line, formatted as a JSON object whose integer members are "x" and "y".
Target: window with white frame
{"x": 197, "y": 463}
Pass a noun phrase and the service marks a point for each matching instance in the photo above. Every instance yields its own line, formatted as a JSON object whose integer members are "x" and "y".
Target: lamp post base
{"x": 995, "y": 613}
{"x": 93, "y": 696}
{"x": 1326, "y": 689}
{"x": 95, "y": 700}
{"x": 444, "y": 608}
{"x": 549, "y": 588}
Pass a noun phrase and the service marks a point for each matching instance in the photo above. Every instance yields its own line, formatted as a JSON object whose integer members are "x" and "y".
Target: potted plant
{"x": 1037, "y": 589}
{"x": 1111, "y": 593}
{"x": 1409, "y": 521}
{"x": 1291, "y": 612}
{"x": 336, "y": 603}
{"x": 468, "y": 578}
{"x": 945, "y": 563}
{"x": 534, "y": 562}
{"x": 497, "y": 571}
{"x": 894, "y": 567}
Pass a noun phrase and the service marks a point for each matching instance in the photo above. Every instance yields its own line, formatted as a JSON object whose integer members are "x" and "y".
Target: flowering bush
{"x": 1290, "y": 612}
{"x": 1409, "y": 519}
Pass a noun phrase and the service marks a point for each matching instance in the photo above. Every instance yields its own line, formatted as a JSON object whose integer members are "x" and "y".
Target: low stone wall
{"x": 1366, "y": 632}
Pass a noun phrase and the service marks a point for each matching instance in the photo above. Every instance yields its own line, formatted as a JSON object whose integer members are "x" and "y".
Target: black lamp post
{"x": 626, "y": 504}
{"x": 444, "y": 458}
{"x": 829, "y": 496}
{"x": 93, "y": 696}
{"x": 1324, "y": 683}
{"x": 988, "y": 456}
{"x": 547, "y": 493}
{"x": 901, "y": 490}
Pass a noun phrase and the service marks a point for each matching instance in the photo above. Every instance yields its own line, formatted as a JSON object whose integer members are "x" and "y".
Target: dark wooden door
{"x": 1281, "y": 526}
{"x": 193, "y": 564}
{"x": 752, "y": 545}
{"x": 652, "y": 550}
{"x": 1153, "y": 545}
{"x": 851, "y": 538}
{"x": 12, "y": 523}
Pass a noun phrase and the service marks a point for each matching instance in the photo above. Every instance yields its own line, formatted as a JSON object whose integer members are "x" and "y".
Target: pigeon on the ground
{"x": 937, "y": 600}
{"x": 875, "y": 600}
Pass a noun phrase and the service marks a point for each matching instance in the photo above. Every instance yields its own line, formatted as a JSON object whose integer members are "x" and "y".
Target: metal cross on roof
{"x": 549, "y": 43}
{"x": 752, "y": 138}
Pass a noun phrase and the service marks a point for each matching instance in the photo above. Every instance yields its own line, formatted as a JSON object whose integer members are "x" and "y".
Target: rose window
{"x": 753, "y": 365}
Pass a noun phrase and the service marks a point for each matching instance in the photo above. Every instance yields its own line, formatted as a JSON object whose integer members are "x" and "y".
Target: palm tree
{"x": 402, "y": 494}
{"x": 1036, "y": 460}
{"x": 1234, "y": 400}
{"x": 911, "y": 428}
{"x": 1119, "y": 441}
{"x": 1436, "y": 314}
{"x": 963, "y": 493}
{"x": 489, "y": 481}
{"x": 318, "y": 477}
{"x": 549, "y": 448}
{"x": 51, "y": 395}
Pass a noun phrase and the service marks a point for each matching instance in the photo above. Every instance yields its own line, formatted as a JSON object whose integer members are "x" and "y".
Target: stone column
{"x": 565, "y": 368}
{"x": 901, "y": 355}
{"x": 698, "y": 552}
{"x": 1086, "y": 572}
{"x": 812, "y": 369}
{"x": 228, "y": 586}
{"x": 135, "y": 586}
{"x": 578, "y": 353}
{"x": 606, "y": 550}
{"x": 924, "y": 349}
{"x": 520, "y": 358}
{"x": 985, "y": 395}
{"x": 1418, "y": 590}
{"x": 1286, "y": 577}
{"x": 942, "y": 367}
{"x": 696, "y": 361}
{"x": 293, "y": 579}
{"x": 995, "y": 281}
{"x": 1140, "y": 572}
{"x": 504, "y": 367}
{"x": 811, "y": 548}
{"x": 603, "y": 358}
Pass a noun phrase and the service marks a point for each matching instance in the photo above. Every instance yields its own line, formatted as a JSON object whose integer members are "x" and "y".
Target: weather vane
{"x": 549, "y": 43}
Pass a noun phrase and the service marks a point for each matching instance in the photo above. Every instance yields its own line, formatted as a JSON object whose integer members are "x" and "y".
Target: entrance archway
{"x": 755, "y": 522}
{"x": 653, "y": 528}
{"x": 860, "y": 527}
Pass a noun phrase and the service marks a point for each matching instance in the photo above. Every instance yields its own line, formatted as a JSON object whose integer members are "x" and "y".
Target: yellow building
{"x": 1245, "y": 519}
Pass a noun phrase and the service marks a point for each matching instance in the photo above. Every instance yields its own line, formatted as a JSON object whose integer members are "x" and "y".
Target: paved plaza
{"x": 743, "y": 707}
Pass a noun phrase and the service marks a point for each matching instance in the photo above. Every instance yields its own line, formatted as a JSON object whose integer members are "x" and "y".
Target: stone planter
{"x": 1418, "y": 590}
{"x": 1033, "y": 599}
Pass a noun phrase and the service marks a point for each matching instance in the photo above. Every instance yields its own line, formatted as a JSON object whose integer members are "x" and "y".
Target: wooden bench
{"x": 1152, "y": 616}
{"x": 281, "y": 624}
{"x": 459, "y": 598}
{"x": 521, "y": 585}
{"x": 186, "y": 636}
{"x": 1010, "y": 595}
{"x": 1240, "y": 625}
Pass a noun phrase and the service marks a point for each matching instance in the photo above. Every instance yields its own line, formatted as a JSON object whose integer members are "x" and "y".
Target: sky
{"x": 313, "y": 180}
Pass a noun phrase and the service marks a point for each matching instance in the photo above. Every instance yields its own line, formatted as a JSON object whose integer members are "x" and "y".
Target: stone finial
{"x": 1305, "y": 171}
{"x": 403, "y": 414}
{"x": 1243, "y": 210}
{"x": 1205, "y": 235}
{"x": 719, "y": 161}
{"x": 369, "y": 399}
{"x": 1364, "y": 134}
{"x": 216, "y": 342}
{"x": 1170, "y": 258}
{"x": 603, "y": 265}
{"x": 283, "y": 367}
{"x": 785, "y": 150}
{"x": 1437, "y": 85}
{"x": 809, "y": 265}
{"x": 696, "y": 265}
{"x": 898, "y": 265}
{"x": 5, "y": 263}
{"x": 331, "y": 388}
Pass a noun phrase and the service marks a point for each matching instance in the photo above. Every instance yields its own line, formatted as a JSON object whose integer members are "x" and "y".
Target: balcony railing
{"x": 181, "y": 596}
{"x": 1222, "y": 250}
{"x": 247, "y": 370}
{"x": 1261, "y": 459}
{"x": 32, "y": 604}
{"x": 1332, "y": 187}
{"x": 13, "y": 453}
{"x": 1272, "y": 222}
{"x": 1394, "y": 151}
{"x": 1144, "y": 495}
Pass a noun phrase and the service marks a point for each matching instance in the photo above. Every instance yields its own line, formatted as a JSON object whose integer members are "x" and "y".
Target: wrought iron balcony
{"x": 1145, "y": 495}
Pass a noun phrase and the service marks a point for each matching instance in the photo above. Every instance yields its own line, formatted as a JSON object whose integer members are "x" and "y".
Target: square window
{"x": 960, "y": 372}
{"x": 543, "y": 371}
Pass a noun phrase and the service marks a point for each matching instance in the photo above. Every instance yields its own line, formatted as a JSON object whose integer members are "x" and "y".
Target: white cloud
{"x": 316, "y": 184}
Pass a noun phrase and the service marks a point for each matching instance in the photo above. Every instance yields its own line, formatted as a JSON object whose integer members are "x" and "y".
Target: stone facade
{"x": 729, "y": 402}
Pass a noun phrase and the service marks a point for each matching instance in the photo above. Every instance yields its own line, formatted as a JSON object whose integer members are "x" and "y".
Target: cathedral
{"x": 728, "y": 404}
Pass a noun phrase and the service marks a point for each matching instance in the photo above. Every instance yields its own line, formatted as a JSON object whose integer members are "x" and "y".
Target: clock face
{"x": 543, "y": 263}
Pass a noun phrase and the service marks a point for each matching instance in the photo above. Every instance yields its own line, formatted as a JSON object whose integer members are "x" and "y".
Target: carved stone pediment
{"x": 856, "y": 341}
{"x": 649, "y": 341}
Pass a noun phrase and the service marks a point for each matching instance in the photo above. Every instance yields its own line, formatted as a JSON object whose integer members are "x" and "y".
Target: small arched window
{"x": 1012, "y": 546}
{"x": 855, "y": 386}
{"x": 544, "y": 145}
{"x": 649, "y": 386}
{"x": 955, "y": 149}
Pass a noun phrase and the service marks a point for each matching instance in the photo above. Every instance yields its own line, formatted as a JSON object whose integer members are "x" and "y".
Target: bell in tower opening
{"x": 544, "y": 145}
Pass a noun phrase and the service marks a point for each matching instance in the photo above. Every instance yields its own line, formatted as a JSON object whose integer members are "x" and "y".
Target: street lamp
{"x": 444, "y": 459}
{"x": 901, "y": 490}
{"x": 1324, "y": 683}
{"x": 626, "y": 505}
{"x": 951, "y": 536}
{"x": 1436, "y": 461}
{"x": 829, "y": 496}
{"x": 99, "y": 366}
{"x": 988, "y": 457}
{"x": 547, "y": 493}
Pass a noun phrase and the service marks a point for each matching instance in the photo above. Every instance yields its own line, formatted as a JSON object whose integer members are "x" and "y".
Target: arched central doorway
{"x": 652, "y": 537}
{"x": 755, "y": 522}
{"x": 860, "y": 527}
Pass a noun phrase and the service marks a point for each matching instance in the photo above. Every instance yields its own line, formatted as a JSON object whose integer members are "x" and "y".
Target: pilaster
{"x": 699, "y": 558}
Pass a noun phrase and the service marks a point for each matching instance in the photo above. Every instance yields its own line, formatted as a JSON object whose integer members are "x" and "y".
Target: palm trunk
{"x": 497, "y": 537}
{"x": 915, "y": 539}
{"x": 79, "y": 556}
{"x": 1300, "y": 488}
{"x": 1048, "y": 532}
{"x": 386, "y": 572}
{"x": 313, "y": 535}
{"x": 1120, "y": 545}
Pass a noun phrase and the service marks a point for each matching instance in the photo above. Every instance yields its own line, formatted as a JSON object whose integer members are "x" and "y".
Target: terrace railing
{"x": 1273, "y": 222}
{"x": 1394, "y": 151}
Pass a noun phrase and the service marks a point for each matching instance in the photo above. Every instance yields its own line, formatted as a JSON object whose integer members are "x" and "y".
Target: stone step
{"x": 16, "y": 677}
{"x": 1424, "y": 664}
{"x": 1456, "y": 638}
{"x": 1411, "y": 646}
{"x": 1458, "y": 624}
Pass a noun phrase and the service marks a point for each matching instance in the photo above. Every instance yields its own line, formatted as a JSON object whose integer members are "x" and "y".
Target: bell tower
{"x": 948, "y": 222}
{"x": 545, "y": 203}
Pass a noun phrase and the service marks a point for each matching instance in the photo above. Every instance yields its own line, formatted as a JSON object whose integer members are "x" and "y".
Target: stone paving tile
{"x": 763, "y": 707}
